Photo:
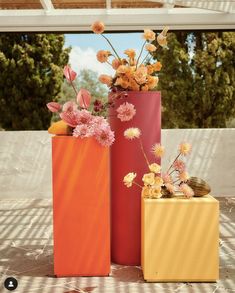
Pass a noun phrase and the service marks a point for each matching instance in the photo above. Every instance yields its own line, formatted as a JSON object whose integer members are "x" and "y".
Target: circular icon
{"x": 10, "y": 283}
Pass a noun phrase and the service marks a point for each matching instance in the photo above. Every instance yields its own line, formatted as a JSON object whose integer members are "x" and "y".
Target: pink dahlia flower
{"x": 83, "y": 130}
{"x": 179, "y": 165}
{"x": 104, "y": 135}
{"x": 126, "y": 111}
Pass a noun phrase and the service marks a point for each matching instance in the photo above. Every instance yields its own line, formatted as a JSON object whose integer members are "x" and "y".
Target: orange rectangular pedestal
{"x": 81, "y": 207}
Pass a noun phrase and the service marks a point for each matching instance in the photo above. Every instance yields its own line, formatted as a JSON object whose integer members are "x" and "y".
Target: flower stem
{"x": 140, "y": 54}
{"x": 111, "y": 46}
{"x": 176, "y": 181}
{"x": 173, "y": 163}
{"x": 142, "y": 149}
{"x": 137, "y": 184}
{"x": 148, "y": 54}
{"x": 144, "y": 58}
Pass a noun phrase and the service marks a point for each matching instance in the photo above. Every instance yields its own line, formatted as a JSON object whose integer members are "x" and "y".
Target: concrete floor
{"x": 26, "y": 253}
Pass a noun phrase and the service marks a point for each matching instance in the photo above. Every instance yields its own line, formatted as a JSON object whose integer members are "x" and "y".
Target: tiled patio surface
{"x": 26, "y": 253}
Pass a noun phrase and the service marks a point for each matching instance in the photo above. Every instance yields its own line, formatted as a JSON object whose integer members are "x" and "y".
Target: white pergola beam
{"x": 216, "y": 5}
{"x": 79, "y": 20}
{"x": 108, "y": 4}
{"x": 47, "y": 5}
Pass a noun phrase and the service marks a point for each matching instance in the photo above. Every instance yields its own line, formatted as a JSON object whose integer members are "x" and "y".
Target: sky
{"x": 85, "y": 47}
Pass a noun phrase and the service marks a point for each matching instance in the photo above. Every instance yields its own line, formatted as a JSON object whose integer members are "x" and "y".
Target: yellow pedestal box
{"x": 180, "y": 239}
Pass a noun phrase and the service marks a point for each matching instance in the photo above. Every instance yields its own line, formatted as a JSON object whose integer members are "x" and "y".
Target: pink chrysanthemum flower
{"x": 71, "y": 118}
{"x": 104, "y": 135}
{"x": 170, "y": 187}
{"x": 126, "y": 111}
{"x": 82, "y": 130}
{"x": 187, "y": 190}
{"x": 183, "y": 176}
{"x": 99, "y": 121}
{"x": 69, "y": 106}
{"x": 185, "y": 148}
{"x": 179, "y": 165}
{"x": 85, "y": 117}
{"x": 167, "y": 178}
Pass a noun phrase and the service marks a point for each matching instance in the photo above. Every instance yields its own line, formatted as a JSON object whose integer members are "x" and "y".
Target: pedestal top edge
{"x": 178, "y": 199}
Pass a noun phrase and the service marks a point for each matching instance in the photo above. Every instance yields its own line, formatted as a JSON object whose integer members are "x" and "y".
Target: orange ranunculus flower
{"x": 152, "y": 81}
{"x": 140, "y": 75}
{"x": 149, "y": 35}
{"x": 98, "y": 27}
{"x": 157, "y": 66}
{"x": 106, "y": 79}
{"x": 161, "y": 38}
{"x": 122, "y": 82}
{"x": 122, "y": 69}
{"x": 150, "y": 47}
{"x": 145, "y": 88}
{"x": 130, "y": 53}
{"x": 102, "y": 56}
{"x": 133, "y": 85}
{"x": 150, "y": 69}
{"x": 116, "y": 63}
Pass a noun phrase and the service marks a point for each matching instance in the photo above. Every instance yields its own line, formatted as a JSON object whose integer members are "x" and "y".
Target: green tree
{"x": 198, "y": 79}
{"x": 31, "y": 76}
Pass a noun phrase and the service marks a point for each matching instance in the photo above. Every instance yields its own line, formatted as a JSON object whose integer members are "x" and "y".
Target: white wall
{"x": 25, "y": 160}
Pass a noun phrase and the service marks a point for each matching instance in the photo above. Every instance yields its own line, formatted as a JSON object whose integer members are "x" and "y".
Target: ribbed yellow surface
{"x": 180, "y": 239}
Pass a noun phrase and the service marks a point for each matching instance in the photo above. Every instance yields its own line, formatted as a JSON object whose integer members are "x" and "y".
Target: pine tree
{"x": 30, "y": 76}
{"x": 198, "y": 79}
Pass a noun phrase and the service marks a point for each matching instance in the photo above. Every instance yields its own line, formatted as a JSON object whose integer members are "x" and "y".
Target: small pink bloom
{"x": 179, "y": 165}
{"x": 84, "y": 98}
{"x": 69, "y": 106}
{"x": 185, "y": 148}
{"x": 54, "y": 107}
{"x": 170, "y": 187}
{"x": 183, "y": 176}
{"x": 69, "y": 73}
{"x": 102, "y": 56}
{"x": 98, "y": 105}
{"x": 70, "y": 117}
{"x": 104, "y": 135}
{"x": 116, "y": 63}
{"x": 126, "y": 111}
{"x": 98, "y": 27}
{"x": 167, "y": 178}
{"x": 85, "y": 117}
{"x": 82, "y": 130}
{"x": 187, "y": 190}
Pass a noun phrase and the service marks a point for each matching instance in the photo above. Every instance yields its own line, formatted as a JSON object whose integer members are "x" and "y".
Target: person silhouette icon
{"x": 11, "y": 283}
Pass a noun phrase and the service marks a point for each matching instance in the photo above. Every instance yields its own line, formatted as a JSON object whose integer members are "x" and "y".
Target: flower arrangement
{"x": 83, "y": 118}
{"x": 131, "y": 72}
{"x": 155, "y": 184}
